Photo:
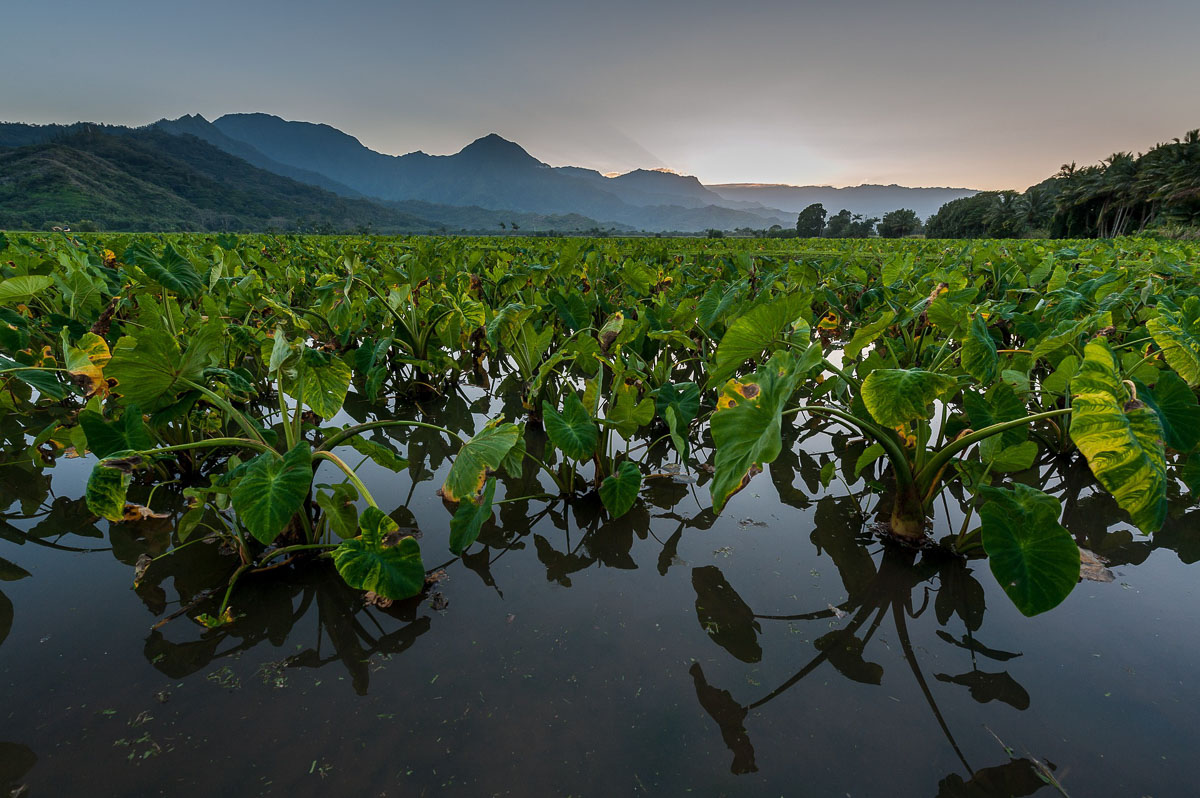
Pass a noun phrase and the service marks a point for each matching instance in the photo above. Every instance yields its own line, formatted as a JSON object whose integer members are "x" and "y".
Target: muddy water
{"x": 775, "y": 650}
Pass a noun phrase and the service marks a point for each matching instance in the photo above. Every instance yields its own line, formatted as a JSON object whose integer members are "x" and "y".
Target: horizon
{"x": 927, "y": 93}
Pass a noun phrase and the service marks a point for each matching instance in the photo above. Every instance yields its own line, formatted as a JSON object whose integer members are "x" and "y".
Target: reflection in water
{"x": 886, "y": 591}
{"x": 16, "y": 760}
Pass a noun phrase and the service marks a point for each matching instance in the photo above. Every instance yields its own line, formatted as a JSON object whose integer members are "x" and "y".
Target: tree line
{"x": 1124, "y": 194}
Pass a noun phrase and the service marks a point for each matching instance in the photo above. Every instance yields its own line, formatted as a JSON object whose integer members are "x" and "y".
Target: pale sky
{"x": 917, "y": 92}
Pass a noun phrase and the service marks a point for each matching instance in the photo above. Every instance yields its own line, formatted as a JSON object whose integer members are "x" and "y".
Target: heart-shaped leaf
{"x": 169, "y": 269}
{"x": 1178, "y": 336}
{"x": 367, "y": 563}
{"x": 1177, "y": 409}
{"x": 573, "y": 431}
{"x": 273, "y": 489}
{"x": 1032, "y": 556}
{"x": 619, "y": 490}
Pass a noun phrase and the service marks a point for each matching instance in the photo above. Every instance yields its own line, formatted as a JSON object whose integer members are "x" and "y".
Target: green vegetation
{"x": 1125, "y": 194}
{"x": 971, "y": 371}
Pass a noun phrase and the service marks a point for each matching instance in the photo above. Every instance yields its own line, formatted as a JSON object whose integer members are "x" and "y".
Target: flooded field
{"x": 778, "y": 649}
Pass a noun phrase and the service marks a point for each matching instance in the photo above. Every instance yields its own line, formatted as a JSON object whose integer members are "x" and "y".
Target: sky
{"x": 980, "y": 94}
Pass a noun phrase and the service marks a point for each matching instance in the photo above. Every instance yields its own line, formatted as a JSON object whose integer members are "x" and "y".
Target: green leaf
{"x": 1177, "y": 410}
{"x": 170, "y": 269}
{"x": 619, "y": 491}
{"x": 107, "y": 438}
{"x": 979, "y": 351}
{"x": 898, "y": 396}
{"x": 105, "y": 492}
{"x": 1001, "y": 458}
{"x": 150, "y": 369}
{"x": 869, "y": 455}
{"x": 380, "y": 454}
{"x": 321, "y": 382}
{"x": 272, "y": 490}
{"x": 866, "y": 335}
{"x": 469, "y": 519}
{"x": 573, "y": 431}
{"x": 752, "y": 333}
{"x": 15, "y": 290}
{"x": 340, "y": 513}
{"x": 827, "y": 472}
{"x": 745, "y": 427}
{"x": 626, "y": 415}
{"x": 366, "y": 563}
{"x": 999, "y": 405}
{"x": 1032, "y": 556}
{"x": 477, "y": 456}
{"x": 683, "y": 396}
{"x": 1121, "y": 438}
{"x": 1178, "y": 336}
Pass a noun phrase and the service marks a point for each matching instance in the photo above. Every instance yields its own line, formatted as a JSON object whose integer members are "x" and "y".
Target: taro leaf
{"x": 170, "y": 269}
{"x": 321, "y": 382}
{"x": 573, "y": 431}
{"x": 340, "y": 513}
{"x": 1177, "y": 410}
{"x": 239, "y": 380}
{"x": 21, "y": 289}
{"x": 1001, "y": 458}
{"x": 380, "y": 454}
{"x": 1121, "y": 438}
{"x": 1032, "y": 556}
{"x": 979, "y": 351}
{"x": 150, "y": 369}
{"x": 750, "y": 334}
{"x": 626, "y": 415}
{"x": 869, "y": 456}
{"x": 482, "y": 453}
{"x": 999, "y": 405}
{"x": 724, "y": 615}
{"x": 1057, "y": 382}
{"x": 684, "y": 397}
{"x": 86, "y": 361}
{"x": 845, "y": 653}
{"x": 469, "y": 519}
{"x": 827, "y": 473}
{"x": 106, "y": 438}
{"x": 1178, "y": 335}
{"x": 619, "y": 491}
{"x": 271, "y": 490}
{"x": 677, "y": 430}
{"x": 866, "y": 335}
{"x": 898, "y": 396}
{"x": 366, "y": 563}
{"x": 105, "y": 492}
{"x": 745, "y": 427}
{"x": 46, "y": 382}
{"x": 985, "y": 687}
{"x": 11, "y": 572}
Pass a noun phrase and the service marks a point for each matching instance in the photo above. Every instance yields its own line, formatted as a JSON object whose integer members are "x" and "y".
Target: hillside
{"x": 150, "y": 180}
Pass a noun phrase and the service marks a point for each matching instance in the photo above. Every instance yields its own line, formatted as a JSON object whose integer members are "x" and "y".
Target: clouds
{"x": 931, "y": 93}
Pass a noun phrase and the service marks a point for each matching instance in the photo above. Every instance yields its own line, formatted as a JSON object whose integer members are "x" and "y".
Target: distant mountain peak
{"x": 495, "y": 148}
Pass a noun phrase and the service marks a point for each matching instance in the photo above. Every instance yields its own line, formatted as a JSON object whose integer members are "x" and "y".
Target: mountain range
{"x": 254, "y": 171}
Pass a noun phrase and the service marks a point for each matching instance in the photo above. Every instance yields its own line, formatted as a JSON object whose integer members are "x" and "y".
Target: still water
{"x": 778, "y": 649}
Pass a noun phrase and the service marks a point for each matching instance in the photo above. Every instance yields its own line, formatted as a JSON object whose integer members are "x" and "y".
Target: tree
{"x": 899, "y": 223}
{"x": 839, "y": 224}
{"x": 811, "y": 221}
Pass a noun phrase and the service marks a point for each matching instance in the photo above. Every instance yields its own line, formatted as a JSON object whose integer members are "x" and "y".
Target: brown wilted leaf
{"x": 137, "y": 512}
{"x": 1091, "y": 567}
